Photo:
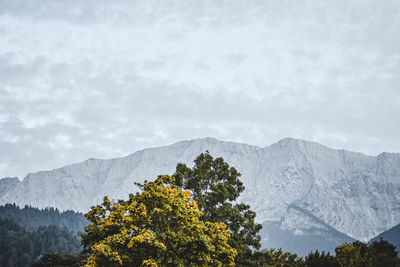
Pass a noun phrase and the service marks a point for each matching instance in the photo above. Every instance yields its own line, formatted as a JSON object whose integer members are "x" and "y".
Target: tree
{"x": 215, "y": 187}
{"x": 278, "y": 258}
{"x": 158, "y": 227}
{"x": 384, "y": 254}
{"x": 20, "y": 247}
{"x": 378, "y": 254}
{"x": 355, "y": 254}
{"x": 317, "y": 259}
{"x": 57, "y": 260}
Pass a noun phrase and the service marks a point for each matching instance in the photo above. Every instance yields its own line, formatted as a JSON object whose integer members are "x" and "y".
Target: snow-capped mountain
{"x": 295, "y": 185}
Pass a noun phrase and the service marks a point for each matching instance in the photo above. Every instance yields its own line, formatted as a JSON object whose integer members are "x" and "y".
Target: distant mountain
{"x": 308, "y": 234}
{"x": 392, "y": 235}
{"x": 7, "y": 184}
{"x": 298, "y": 186}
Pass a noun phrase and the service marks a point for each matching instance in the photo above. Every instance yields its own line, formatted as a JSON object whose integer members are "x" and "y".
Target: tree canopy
{"x": 20, "y": 246}
{"x": 278, "y": 258}
{"x": 317, "y": 259}
{"x": 55, "y": 259}
{"x": 378, "y": 254}
{"x": 159, "y": 226}
{"x": 215, "y": 187}
{"x": 32, "y": 218}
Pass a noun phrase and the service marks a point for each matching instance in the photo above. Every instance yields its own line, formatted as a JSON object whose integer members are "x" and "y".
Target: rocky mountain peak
{"x": 353, "y": 193}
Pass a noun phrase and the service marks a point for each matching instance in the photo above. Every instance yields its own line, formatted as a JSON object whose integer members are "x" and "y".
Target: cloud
{"x": 100, "y": 79}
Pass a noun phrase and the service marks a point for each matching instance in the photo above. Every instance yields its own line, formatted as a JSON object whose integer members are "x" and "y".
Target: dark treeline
{"x": 30, "y": 236}
{"x": 377, "y": 254}
{"x": 392, "y": 235}
{"x": 32, "y": 218}
{"x": 21, "y": 247}
{"x": 28, "y": 233}
{"x": 357, "y": 254}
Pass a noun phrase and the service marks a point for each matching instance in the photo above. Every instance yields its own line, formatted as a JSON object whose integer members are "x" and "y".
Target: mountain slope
{"x": 392, "y": 235}
{"x": 6, "y": 184}
{"x": 355, "y": 194}
{"x": 308, "y": 234}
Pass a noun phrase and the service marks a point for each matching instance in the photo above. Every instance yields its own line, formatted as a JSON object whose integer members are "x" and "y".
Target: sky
{"x": 103, "y": 79}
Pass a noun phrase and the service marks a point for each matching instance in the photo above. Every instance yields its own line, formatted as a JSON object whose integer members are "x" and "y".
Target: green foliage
{"x": 158, "y": 227}
{"x": 355, "y": 254}
{"x": 378, "y": 254}
{"x": 277, "y": 258}
{"x": 384, "y": 254}
{"x": 20, "y": 247}
{"x": 32, "y": 218}
{"x": 317, "y": 259}
{"x": 215, "y": 186}
{"x": 57, "y": 260}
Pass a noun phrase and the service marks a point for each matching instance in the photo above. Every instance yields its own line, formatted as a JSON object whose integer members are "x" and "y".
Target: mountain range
{"x": 306, "y": 195}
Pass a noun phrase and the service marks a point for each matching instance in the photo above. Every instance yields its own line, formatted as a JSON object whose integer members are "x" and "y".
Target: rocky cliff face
{"x": 6, "y": 184}
{"x": 352, "y": 193}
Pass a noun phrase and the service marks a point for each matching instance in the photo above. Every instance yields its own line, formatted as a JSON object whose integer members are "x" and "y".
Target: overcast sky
{"x": 81, "y": 79}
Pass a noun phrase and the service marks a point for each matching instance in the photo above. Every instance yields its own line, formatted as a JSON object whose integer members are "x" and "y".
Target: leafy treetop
{"x": 215, "y": 187}
{"x": 158, "y": 227}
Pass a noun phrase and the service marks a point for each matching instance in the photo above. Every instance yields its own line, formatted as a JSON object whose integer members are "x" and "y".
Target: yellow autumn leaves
{"x": 158, "y": 227}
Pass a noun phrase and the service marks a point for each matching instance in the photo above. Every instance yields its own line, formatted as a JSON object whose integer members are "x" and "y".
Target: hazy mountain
{"x": 6, "y": 184}
{"x": 392, "y": 235}
{"x": 300, "y": 187}
{"x": 309, "y": 233}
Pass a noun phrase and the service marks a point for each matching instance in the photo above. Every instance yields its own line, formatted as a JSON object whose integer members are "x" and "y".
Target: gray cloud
{"x": 84, "y": 79}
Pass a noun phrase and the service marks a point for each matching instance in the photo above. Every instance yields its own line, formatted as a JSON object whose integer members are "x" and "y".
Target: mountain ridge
{"x": 348, "y": 191}
{"x": 283, "y": 140}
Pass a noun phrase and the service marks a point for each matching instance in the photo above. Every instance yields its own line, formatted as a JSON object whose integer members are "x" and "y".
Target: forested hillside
{"x": 392, "y": 235}
{"x": 27, "y": 233}
{"x": 21, "y": 247}
{"x": 32, "y": 218}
